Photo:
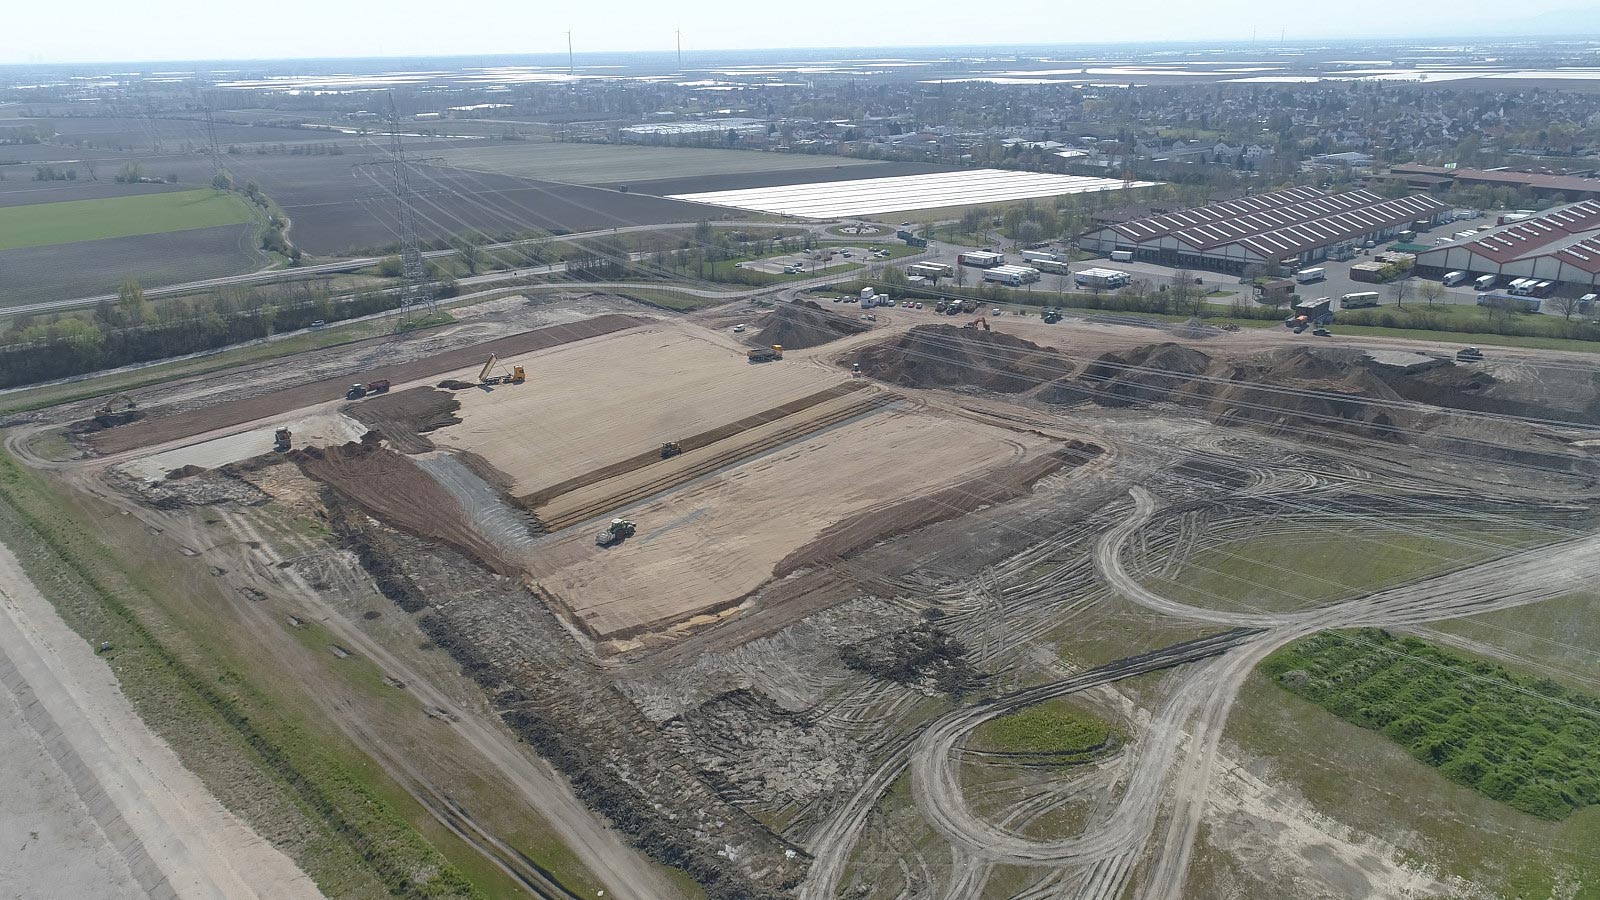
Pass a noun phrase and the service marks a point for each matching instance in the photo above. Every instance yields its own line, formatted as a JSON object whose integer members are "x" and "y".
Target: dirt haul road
{"x": 173, "y": 837}
{"x": 1197, "y": 713}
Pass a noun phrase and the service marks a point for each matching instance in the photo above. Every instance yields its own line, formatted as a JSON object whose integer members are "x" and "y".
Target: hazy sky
{"x": 99, "y": 30}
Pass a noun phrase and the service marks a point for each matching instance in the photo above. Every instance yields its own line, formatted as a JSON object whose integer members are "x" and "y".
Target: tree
{"x": 1567, "y": 306}
{"x": 1431, "y": 291}
{"x": 222, "y": 182}
{"x": 470, "y": 247}
{"x": 130, "y": 299}
{"x": 1400, "y": 289}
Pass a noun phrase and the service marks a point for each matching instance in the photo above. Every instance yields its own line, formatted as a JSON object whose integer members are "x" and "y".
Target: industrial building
{"x": 1295, "y": 226}
{"x": 1561, "y": 244}
{"x": 1568, "y": 186}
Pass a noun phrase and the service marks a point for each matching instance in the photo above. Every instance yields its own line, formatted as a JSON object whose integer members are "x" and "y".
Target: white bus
{"x": 1053, "y": 266}
{"x": 1359, "y": 300}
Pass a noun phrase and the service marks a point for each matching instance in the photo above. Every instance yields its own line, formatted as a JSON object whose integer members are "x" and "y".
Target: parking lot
{"x": 1335, "y": 284}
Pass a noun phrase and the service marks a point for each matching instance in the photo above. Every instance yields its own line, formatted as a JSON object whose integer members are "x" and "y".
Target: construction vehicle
{"x": 980, "y": 321}
{"x": 766, "y": 354}
{"x": 488, "y": 376}
{"x": 615, "y": 533}
{"x": 119, "y": 409}
{"x": 1469, "y": 354}
{"x": 358, "y": 390}
{"x": 281, "y": 440}
{"x": 969, "y": 305}
{"x": 670, "y": 449}
{"x": 1051, "y": 317}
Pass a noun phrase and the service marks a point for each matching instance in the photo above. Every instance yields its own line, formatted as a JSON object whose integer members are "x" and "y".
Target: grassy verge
{"x": 306, "y": 795}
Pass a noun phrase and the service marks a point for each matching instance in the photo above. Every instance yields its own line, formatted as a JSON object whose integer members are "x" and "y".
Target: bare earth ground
{"x": 705, "y": 546}
{"x": 589, "y": 405}
{"x": 757, "y": 712}
{"x": 166, "y": 834}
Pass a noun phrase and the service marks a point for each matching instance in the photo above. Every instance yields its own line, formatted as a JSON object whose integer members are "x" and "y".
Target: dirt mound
{"x": 1291, "y": 389}
{"x": 451, "y": 384}
{"x": 944, "y": 356}
{"x": 404, "y": 416}
{"x": 1298, "y": 389}
{"x": 1142, "y": 375}
{"x": 805, "y": 324}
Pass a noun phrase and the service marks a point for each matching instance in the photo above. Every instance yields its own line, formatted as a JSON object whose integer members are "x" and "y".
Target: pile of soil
{"x": 944, "y": 356}
{"x": 1143, "y": 375}
{"x": 804, "y": 324}
{"x": 1290, "y": 389}
{"x": 1297, "y": 389}
{"x": 451, "y": 384}
{"x": 404, "y": 416}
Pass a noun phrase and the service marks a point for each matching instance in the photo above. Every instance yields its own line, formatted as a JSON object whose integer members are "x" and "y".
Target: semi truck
{"x": 1307, "y": 276}
{"x": 982, "y": 259}
{"x": 931, "y": 270}
{"x": 1041, "y": 256}
{"x": 1016, "y": 276}
{"x": 1102, "y": 278}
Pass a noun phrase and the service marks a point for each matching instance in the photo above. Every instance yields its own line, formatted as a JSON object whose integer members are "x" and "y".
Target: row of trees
{"x": 132, "y": 329}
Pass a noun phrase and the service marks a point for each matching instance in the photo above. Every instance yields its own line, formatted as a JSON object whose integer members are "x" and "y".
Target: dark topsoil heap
{"x": 405, "y": 416}
{"x": 803, "y": 323}
{"x": 1299, "y": 387}
{"x": 944, "y": 356}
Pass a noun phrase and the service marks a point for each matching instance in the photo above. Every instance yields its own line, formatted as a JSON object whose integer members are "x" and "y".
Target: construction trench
{"x": 1009, "y": 492}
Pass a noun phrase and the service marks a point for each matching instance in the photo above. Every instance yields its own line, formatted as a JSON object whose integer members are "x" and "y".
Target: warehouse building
{"x": 1561, "y": 244}
{"x": 1294, "y": 227}
{"x": 1536, "y": 184}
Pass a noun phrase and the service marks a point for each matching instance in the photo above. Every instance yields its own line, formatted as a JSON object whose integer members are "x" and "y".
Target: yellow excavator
{"x": 487, "y": 374}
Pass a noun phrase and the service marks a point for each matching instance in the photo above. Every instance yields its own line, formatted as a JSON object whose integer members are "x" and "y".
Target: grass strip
{"x": 269, "y": 771}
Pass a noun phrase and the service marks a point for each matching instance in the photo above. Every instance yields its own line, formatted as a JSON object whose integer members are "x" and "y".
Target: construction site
{"x": 774, "y": 602}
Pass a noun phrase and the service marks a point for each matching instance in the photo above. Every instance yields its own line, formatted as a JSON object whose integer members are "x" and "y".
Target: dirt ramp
{"x": 944, "y": 356}
{"x": 396, "y": 490}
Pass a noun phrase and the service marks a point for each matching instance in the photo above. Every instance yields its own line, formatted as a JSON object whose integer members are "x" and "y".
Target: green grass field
{"x": 1290, "y": 571}
{"x": 68, "y": 222}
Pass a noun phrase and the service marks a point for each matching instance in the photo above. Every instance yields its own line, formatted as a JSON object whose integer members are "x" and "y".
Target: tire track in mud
{"x": 833, "y": 842}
